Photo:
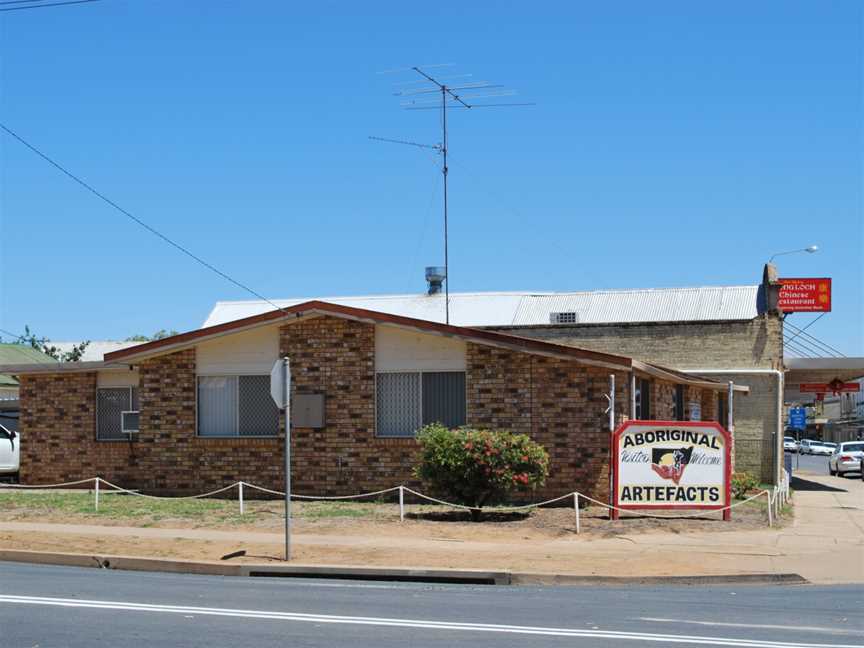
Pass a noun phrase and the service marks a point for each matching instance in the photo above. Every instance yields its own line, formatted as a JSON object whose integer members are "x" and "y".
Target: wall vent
{"x": 566, "y": 317}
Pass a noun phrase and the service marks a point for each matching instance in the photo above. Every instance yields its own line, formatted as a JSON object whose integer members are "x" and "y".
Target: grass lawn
{"x": 124, "y": 507}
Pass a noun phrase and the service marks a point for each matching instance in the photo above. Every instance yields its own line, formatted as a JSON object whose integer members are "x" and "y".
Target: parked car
{"x": 822, "y": 448}
{"x": 10, "y": 454}
{"x": 790, "y": 444}
{"x": 804, "y": 446}
{"x": 847, "y": 457}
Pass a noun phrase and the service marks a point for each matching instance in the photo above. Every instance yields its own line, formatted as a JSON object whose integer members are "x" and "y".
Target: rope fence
{"x": 778, "y": 496}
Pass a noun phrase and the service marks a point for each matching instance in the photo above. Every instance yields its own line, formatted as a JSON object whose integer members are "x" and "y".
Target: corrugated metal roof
{"x": 527, "y": 309}
{"x": 14, "y": 354}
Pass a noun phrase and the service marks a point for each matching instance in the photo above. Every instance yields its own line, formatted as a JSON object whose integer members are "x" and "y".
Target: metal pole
{"x": 770, "y": 515}
{"x": 446, "y": 256}
{"x": 287, "y": 399}
{"x": 97, "y": 494}
{"x": 401, "y": 503}
{"x": 633, "y": 395}
{"x": 576, "y": 507}
{"x": 611, "y": 402}
{"x": 242, "y": 510}
{"x": 730, "y": 409}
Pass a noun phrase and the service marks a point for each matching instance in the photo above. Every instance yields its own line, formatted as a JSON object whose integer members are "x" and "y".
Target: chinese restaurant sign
{"x": 805, "y": 295}
{"x": 671, "y": 465}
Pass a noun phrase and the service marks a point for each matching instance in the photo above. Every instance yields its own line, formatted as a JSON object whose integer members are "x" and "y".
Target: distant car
{"x": 10, "y": 454}
{"x": 804, "y": 446}
{"x": 823, "y": 449}
{"x": 847, "y": 457}
{"x": 790, "y": 444}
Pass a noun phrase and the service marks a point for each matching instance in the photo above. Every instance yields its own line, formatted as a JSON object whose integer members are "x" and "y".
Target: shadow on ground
{"x": 799, "y": 484}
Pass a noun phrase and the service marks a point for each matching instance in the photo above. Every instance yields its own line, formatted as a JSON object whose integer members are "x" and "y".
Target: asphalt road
{"x": 66, "y": 607}
{"x": 815, "y": 464}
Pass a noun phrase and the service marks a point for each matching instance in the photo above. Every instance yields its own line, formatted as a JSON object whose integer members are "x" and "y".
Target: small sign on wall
{"x": 671, "y": 465}
{"x": 694, "y": 411}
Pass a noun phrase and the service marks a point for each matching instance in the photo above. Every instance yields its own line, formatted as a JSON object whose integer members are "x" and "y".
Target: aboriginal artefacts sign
{"x": 671, "y": 465}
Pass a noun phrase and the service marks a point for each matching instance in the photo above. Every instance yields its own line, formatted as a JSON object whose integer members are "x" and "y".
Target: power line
{"x": 813, "y": 338}
{"x": 150, "y": 229}
{"x": 40, "y": 6}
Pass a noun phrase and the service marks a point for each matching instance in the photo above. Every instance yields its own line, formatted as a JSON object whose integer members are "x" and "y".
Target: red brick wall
{"x": 58, "y": 432}
{"x": 337, "y": 357}
{"x": 560, "y": 404}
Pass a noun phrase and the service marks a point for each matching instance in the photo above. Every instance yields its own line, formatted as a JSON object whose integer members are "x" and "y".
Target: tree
{"x": 479, "y": 467}
{"x": 44, "y": 345}
{"x": 158, "y": 335}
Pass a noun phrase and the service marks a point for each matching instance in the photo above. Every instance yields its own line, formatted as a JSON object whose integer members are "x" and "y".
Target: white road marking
{"x": 840, "y": 631}
{"x": 410, "y": 623}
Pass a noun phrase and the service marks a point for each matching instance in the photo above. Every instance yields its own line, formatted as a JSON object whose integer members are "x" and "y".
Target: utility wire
{"x": 801, "y": 332}
{"x": 798, "y": 350}
{"x": 806, "y": 345}
{"x": 40, "y": 6}
{"x": 150, "y": 229}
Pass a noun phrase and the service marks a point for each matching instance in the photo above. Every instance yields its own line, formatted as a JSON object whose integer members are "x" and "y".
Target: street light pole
{"x": 809, "y": 250}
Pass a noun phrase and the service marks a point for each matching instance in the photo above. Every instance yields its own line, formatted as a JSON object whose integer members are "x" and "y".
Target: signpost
{"x": 280, "y": 391}
{"x": 805, "y": 295}
{"x": 798, "y": 418}
{"x": 671, "y": 465}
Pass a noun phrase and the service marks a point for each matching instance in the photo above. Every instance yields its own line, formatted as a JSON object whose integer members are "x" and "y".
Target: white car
{"x": 804, "y": 446}
{"x": 790, "y": 444}
{"x": 822, "y": 448}
{"x": 10, "y": 454}
{"x": 847, "y": 457}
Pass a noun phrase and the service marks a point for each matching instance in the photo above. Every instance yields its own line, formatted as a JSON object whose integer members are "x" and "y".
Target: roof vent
{"x": 435, "y": 276}
{"x": 566, "y": 317}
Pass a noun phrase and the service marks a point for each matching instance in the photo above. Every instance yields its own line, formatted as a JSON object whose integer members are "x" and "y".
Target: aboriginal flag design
{"x": 670, "y": 463}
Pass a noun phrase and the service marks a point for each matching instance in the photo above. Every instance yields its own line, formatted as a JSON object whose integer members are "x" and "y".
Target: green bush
{"x": 479, "y": 467}
{"x": 742, "y": 483}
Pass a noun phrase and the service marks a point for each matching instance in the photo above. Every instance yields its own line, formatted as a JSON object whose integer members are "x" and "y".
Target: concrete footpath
{"x": 824, "y": 544}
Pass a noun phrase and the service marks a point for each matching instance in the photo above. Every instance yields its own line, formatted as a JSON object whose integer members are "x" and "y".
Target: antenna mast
{"x": 455, "y": 96}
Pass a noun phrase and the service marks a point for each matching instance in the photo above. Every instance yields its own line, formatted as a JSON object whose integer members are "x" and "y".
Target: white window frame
{"x": 237, "y": 434}
{"x": 416, "y": 371}
{"x": 131, "y": 400}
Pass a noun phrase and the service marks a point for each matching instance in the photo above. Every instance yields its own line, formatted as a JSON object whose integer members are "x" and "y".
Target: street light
{"x": 809, "y": 250}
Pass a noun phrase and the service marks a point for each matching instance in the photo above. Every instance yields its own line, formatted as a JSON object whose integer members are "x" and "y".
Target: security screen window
{"x": 407, "y": 400}
{"x": 679, "y": 402}
{"x": 643, "y": 399}
{"x": 110, "y": 403}
{"x": 236, "y": 406}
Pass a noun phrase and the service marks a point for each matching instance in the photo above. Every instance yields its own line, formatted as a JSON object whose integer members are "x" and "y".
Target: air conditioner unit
{"x": 129, "y": 421}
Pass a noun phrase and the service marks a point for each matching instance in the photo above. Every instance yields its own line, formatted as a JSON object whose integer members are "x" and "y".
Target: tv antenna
{"x": 454, "y": 91}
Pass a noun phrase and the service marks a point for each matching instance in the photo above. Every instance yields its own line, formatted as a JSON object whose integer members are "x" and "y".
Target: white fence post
{"x": 576, "y": 508}
{"x": 242, "y": 509}
{"x": 97, "y": 494}
{"x": 770, "y": 512}
{"x": 401, "y": 503}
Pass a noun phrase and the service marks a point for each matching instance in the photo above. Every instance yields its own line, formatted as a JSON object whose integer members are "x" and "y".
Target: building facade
{"x": 192, "y": 412}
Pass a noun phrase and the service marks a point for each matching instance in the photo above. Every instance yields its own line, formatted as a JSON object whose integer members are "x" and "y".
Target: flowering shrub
{"x": 742, "y": 483}
{"x": 479, "y": 467}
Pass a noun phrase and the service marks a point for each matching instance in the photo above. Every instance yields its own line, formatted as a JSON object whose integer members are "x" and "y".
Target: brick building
{"x": 200, "y": 407}
{"x": 726, "y": 333}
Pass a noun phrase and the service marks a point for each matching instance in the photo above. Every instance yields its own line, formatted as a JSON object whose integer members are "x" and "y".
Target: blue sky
{"x": 672, "y": 144}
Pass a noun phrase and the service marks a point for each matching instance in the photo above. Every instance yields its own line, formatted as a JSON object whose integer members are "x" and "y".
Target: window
{"x": 406, "y": 401}
{"x": 236, "y": 406}
{"x": 721, "y": 409}
{"x": 111, "y": 402}
{"x": 643, "y": 399}
{"x": 679, "y": 402}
